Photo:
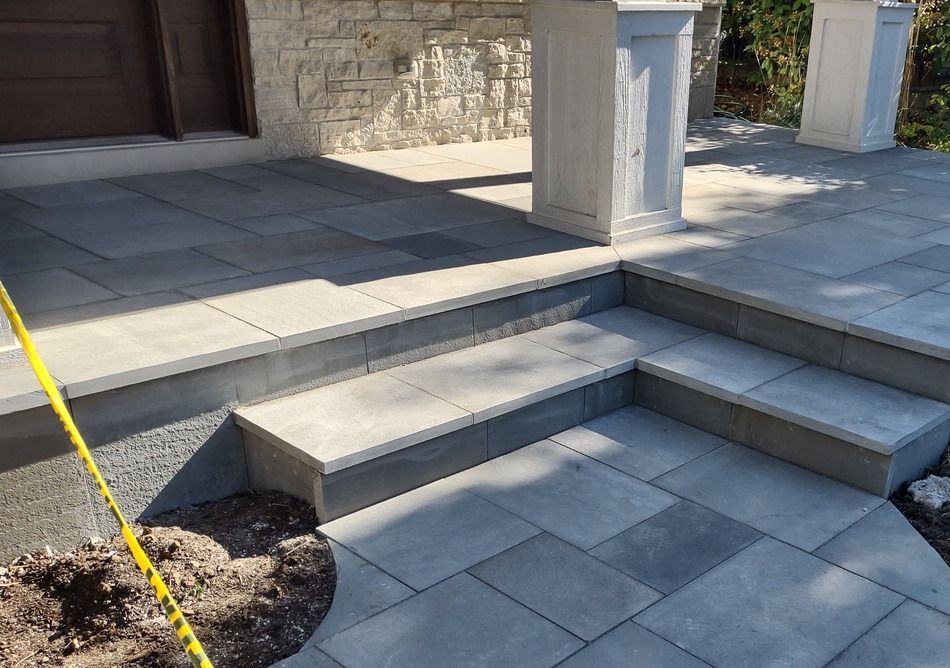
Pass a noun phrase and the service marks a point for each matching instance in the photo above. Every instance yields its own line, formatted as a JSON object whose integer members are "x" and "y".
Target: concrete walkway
{"x": 548, "y": 556}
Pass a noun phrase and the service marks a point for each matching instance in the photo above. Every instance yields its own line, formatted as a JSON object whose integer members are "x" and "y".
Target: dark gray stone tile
{"x": 65, "y": 194}
{"x": 431, "y": 245}
{"x": 381, "y": 478}
{"x": 173, "y": 186}
{"x": 277, "y": 224}
{"x": 937, "y": 258}
{"x": 280, "y": 195}
{"x": 607, "y": 291}
{"x": 639, "y": 442}
{"x": 34, "y": 253}
{"x": 272, "y": 469}
{"x": 112, "y": 217}
{"x": 189, "y": 230}
{"x": 910, "y": 637}
{"x": 675, "y": 546}
{"x": 804, "y": 340}
{"x": 368, "y": 185}
{"x": 607, "y": 395}
{"x": 753, "y": 610}
{"x": 53, "y": 289}
{"x": 571, "y": 588}
{"x": 460, "y": 622}
{"x": 499, "y": 233}
{"x": 527, "y": 425}
{"x": 419, "y": 339}
{"x": 683, "y": 304}
{"x": 157, "y": 271}
{"x": 920, "y": 323}
{"x": 530, "y": 311}
{"x": 906, "y": 369}
{"x": 684, "y": 404}
{"x": 631, "y": 642}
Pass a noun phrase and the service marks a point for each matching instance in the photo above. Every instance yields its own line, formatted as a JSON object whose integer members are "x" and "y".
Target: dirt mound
{"x": 249, "y": 572}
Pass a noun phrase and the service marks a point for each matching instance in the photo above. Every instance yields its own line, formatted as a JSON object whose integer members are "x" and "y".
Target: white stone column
{"x": 610, "y": 98}
{"x": 855, "y": 67}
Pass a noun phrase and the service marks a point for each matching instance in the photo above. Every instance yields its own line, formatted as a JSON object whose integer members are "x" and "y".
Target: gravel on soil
{"x": 934, "y": 525}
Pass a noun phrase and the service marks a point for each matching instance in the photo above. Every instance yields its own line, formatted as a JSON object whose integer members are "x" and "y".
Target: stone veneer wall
{"x": 324, "y": 72}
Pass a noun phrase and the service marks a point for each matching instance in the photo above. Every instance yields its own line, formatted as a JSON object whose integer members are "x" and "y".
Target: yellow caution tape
{"x": 188, "y": 640}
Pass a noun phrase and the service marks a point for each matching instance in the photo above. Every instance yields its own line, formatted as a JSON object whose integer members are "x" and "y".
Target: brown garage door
{"x": 99, "y": 68}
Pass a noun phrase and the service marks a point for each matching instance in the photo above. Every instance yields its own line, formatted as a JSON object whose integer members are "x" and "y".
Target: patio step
{"x": 355, "y": 443}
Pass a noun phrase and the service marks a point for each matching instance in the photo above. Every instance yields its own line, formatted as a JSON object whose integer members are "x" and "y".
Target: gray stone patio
{"x": 547, "y": 556}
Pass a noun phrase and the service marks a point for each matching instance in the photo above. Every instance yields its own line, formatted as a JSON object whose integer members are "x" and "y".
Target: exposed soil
{"x": 249, "y": 572}
{"x": 934, "y": 525}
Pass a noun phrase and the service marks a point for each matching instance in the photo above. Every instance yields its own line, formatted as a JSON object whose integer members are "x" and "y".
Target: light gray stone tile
{"x": 853, "y": 409}
{"x": 706, "y": 236}
{"x": 885, "y": 548}
{"x": 415, "y": 340}
{"x": 189, "y": 230}
{"x": 19, "y": 388}
{"x": 447, "y": 174}
{"x": 631, "y": 642}
{"x": 496, "y": 378}
{"x": 907, "y": 186}
{"x": 429, "y": 534}
{"x": 432, "y": 286}
{"x": 805, "y": 212}
{"x": 565, "y": 493}
{"x": 920, "y": 323}
{"x": 157, "y": 271}
{"x": 746, "y": 223}
{"x": 301, "y": 311}
{"x": 753, "y": 610}
{"x": 53, "y": 289}
{"x": 856, "y": 197}
{"x": 460, "y": 622}
{"x": 65, "y": 194}
{"x": 552, "y": 260}
{"x": 34, "y": 253}
{"x": 362, "y": 590}
{"x": 146, "y": 345}
{"x": 777, "y": 498}
{"x": 103, "y": 309}
{"x": 899, "y": 277}
{"x": 277, "y": 224}
{"x": 639, "y": 442}
{"x": 910, "y": 637}
{"x": 571, "y": 588}
{"x": 829, "y": 248}
{"x": 172, "y": 186}
{"x": 489, "y": 154}
{"x": 366, "y": 184}
{"x": 737, "y": 198}
{"x": 930, "y": 207}
{"x": 292, "y": 249}
{"x": 675, "y": 546}
{"x": 797, "y": 294}
{"x": 317, "y": 426}
{"x": 936, "y": 257}
{"x": 431, "y": 245}
{"x": 661, "y": 255}
{"x": 888, "y": 222}
{"x": 613, "y": 339}
{"x": 718, "y": 365}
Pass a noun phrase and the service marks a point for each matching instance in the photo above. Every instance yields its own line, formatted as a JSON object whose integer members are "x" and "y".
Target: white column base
{"x": 636, "y": 227}
{"x": 823, "y": 141}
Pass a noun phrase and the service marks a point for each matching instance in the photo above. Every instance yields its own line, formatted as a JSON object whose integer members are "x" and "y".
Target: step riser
{"x": 914, "y": 372}
{"x": 863, "y": 468}
{"x": 357, "y": 487}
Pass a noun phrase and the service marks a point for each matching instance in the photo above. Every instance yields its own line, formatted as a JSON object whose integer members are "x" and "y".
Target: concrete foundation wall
{"x": 325, "y": 72}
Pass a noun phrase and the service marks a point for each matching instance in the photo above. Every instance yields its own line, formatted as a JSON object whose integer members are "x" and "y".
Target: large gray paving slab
{"x": 930, "y": 207}
{"x": 888, "y": 222}
{"x": 791, "y": 292}
{"x": 885, "y": 548}
{"x": 53, "y": 289}
{"x": 675, "y": 546}
{"x": 770, "y": 605}
{"x": 351, "y": 265}
{"x": 154, "y": 272}
{"x": 936, "y": 257}
{"x": 280, "y": 251}
{"x": 737, "y": 198}
{"x": 429, "y": 534}
{"x": 299, "y": 311}
{"x": 65, "y": 194}
{"x": 362, "y": 590}
{"x": 613, "y": 339}
{"x": 367, "y": 184}
{"x": 856, "y": 197}
{"x": 910, "y": 637}
{"x": 566, "y": 585}
{"x": 660, "y": 255}
{"x": 747, "y": 223}
{"x": 280, "y": 195}
{"x": 829, "y": 248}
{"x": 14, "y": 229}
{"x": 565, "y": 493}
{"x": 632, "y": 645}
{"x": 777, "y": 498}
{"x": 33, "y": 253}
{"x": 431, "y": 244}
{"x": 496, "y": 378}
{"x": 146, "y": 345}
{"x": 461, "y": 622}
{"x": 718, "y": 365}
{"x": 172, "y": 186}
{"x": 639, "y": 442}
{"x": 431, "y": 286}
{"x": 104, "y": 217}
{"x": 344, "y": 424}
{"x": 920, "y": 323}
{"x": 552, "y": 260}
{"x": 499, "y": 233}
{"x": 276, "y": 224}
{"x": 899, "y": 277}
{"x": 859, "y": 411}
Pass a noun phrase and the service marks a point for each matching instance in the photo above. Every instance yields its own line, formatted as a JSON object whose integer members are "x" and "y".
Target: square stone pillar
{"x": 855, "y": 66}
{"x": 610, "y": 99}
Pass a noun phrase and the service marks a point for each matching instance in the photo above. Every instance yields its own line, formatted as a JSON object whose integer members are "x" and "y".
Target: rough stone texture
{"x": 325, "y": 72}
{"x": 933, "y": 492}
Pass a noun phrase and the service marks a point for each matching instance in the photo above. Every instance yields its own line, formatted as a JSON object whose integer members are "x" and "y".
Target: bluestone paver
{"x": 936, "y": 257}
{"x": 638, "y": 441}
{"x": 277, "y": 224}
{"x": 65, "y": 194}
{"x": 552, "y": 260}
{"x": 429, "y": 534}
{"x": 36, "y": 252}
{"x": 718, "y": 365}
{"x": 889, "y": 222}
{"x": 46, "y": 290}
{"x": 431, "y": 244}
{"x": 632, "y": 645}
{"x": 885, "y": 547}
{"x": 900, "y": 277}
{"x": 745, "y": 223}
{"x": 172, "y": 186}
{"x": 910, "y": 637}
{"x": 675, "y": 546}
{"x": 557, "y": 580}
{"x": 770, "y": 605}
{"x": 922, "y": 206}
{"x": 921, "y": 323}
{"x": 460, "y": 622}
{"x": 790, "y": 503}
